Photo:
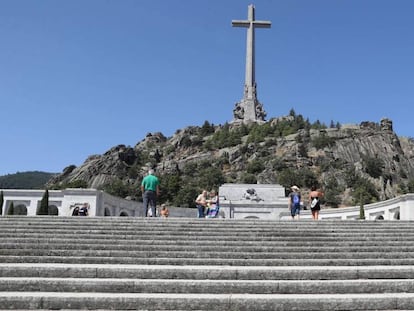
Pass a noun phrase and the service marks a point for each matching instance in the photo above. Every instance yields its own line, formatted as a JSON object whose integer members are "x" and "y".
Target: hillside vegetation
{"x": 350, "y": 163}
{"x": 25, "y": 180}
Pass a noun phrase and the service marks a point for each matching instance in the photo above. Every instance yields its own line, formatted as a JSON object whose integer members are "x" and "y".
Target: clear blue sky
{"x": 78, "y": 77}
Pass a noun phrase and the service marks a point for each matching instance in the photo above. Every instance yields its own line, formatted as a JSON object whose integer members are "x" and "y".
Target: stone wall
{"x": 64, "y": 201}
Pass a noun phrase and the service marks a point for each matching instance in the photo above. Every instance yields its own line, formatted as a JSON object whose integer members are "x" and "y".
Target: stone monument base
{"x": 257, "y": 201}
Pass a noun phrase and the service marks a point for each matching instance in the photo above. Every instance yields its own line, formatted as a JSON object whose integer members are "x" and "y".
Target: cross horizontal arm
{"x": 262, "y": 24}
{"x": 246, "y": 24}
{"x": 239, "y": 23}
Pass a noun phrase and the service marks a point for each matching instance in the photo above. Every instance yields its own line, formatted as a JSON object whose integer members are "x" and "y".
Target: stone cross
{"x": 249, "y": 108}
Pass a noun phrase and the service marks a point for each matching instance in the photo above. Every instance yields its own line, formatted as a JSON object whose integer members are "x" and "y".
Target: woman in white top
{"x": 201, "y": 203}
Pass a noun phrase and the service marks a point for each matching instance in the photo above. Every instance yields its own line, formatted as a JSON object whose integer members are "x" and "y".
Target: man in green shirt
{"x": 150, "y": 187}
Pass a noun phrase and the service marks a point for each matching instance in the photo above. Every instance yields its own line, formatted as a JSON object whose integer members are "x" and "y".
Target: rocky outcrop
{"x": 99, "y": 170}
{"x": 327, "y": 152}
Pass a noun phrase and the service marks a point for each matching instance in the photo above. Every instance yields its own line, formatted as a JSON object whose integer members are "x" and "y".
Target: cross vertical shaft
{"x": 249, "y": 108}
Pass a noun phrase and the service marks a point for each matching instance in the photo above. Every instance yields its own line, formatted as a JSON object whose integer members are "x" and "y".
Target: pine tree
{"x": 1, "y": 202}
{"x": 361, "y": 209}
{"x": 43, "y": 208}
{"x": 10, "y": 211}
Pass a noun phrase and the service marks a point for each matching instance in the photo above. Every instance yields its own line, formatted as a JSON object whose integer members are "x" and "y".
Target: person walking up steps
{"x": 315, "y": 202}
{"x": 294, "y": 202}
{"x": 150, "y": 187}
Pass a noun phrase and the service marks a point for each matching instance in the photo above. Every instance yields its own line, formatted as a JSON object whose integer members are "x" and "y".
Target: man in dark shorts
{"x": 150, "y": 187}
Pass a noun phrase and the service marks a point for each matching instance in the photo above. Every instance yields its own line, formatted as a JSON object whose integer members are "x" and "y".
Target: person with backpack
{"x": 315, "y": 202}
{"x": 294, "y": 202}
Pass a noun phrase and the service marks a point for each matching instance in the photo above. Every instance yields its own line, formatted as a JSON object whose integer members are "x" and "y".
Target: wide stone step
{"x": 212, "y": 234}
{"x": 211, "y": 302}
{"x": 233, "y": 255}
{"x": 115, "y": 220}
{"x": 202, "y": 272}
{"x": 159, "y": 227}
{"x": 206, "y": 286}
{"x": 186, "y": 223}
{"x": 213, "y": 247}
{"x": 202, "y": 234}
{"x": 208, "y": 261}
{"x": 233, "y": 242}
{"x": 203, "y": 239}
{"x": 158, "y": 223}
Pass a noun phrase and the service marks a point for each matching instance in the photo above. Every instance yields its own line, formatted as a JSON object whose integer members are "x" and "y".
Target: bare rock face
{"x": 386, "y": 124}
{"x": 325, "y": 152}
{"x": 98, "y": 170}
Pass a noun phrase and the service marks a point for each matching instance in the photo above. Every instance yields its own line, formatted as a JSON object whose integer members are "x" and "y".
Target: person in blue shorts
{"x": 294, "y": 202}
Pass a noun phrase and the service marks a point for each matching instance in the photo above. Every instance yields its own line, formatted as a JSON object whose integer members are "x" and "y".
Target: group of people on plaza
{"x": 207, "y": 204}
{"x": 295, "y": 202}
{"x": 81, "y": 211}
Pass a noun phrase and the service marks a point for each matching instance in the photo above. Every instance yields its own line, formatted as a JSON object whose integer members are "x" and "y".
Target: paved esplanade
{"x": 249, "y": 108}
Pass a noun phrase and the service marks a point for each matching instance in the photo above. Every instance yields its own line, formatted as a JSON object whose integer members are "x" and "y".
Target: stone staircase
{"x": 105, "y": 263}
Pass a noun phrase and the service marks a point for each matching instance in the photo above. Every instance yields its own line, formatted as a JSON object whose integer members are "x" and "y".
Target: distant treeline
{"x": 25, "y": 180}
